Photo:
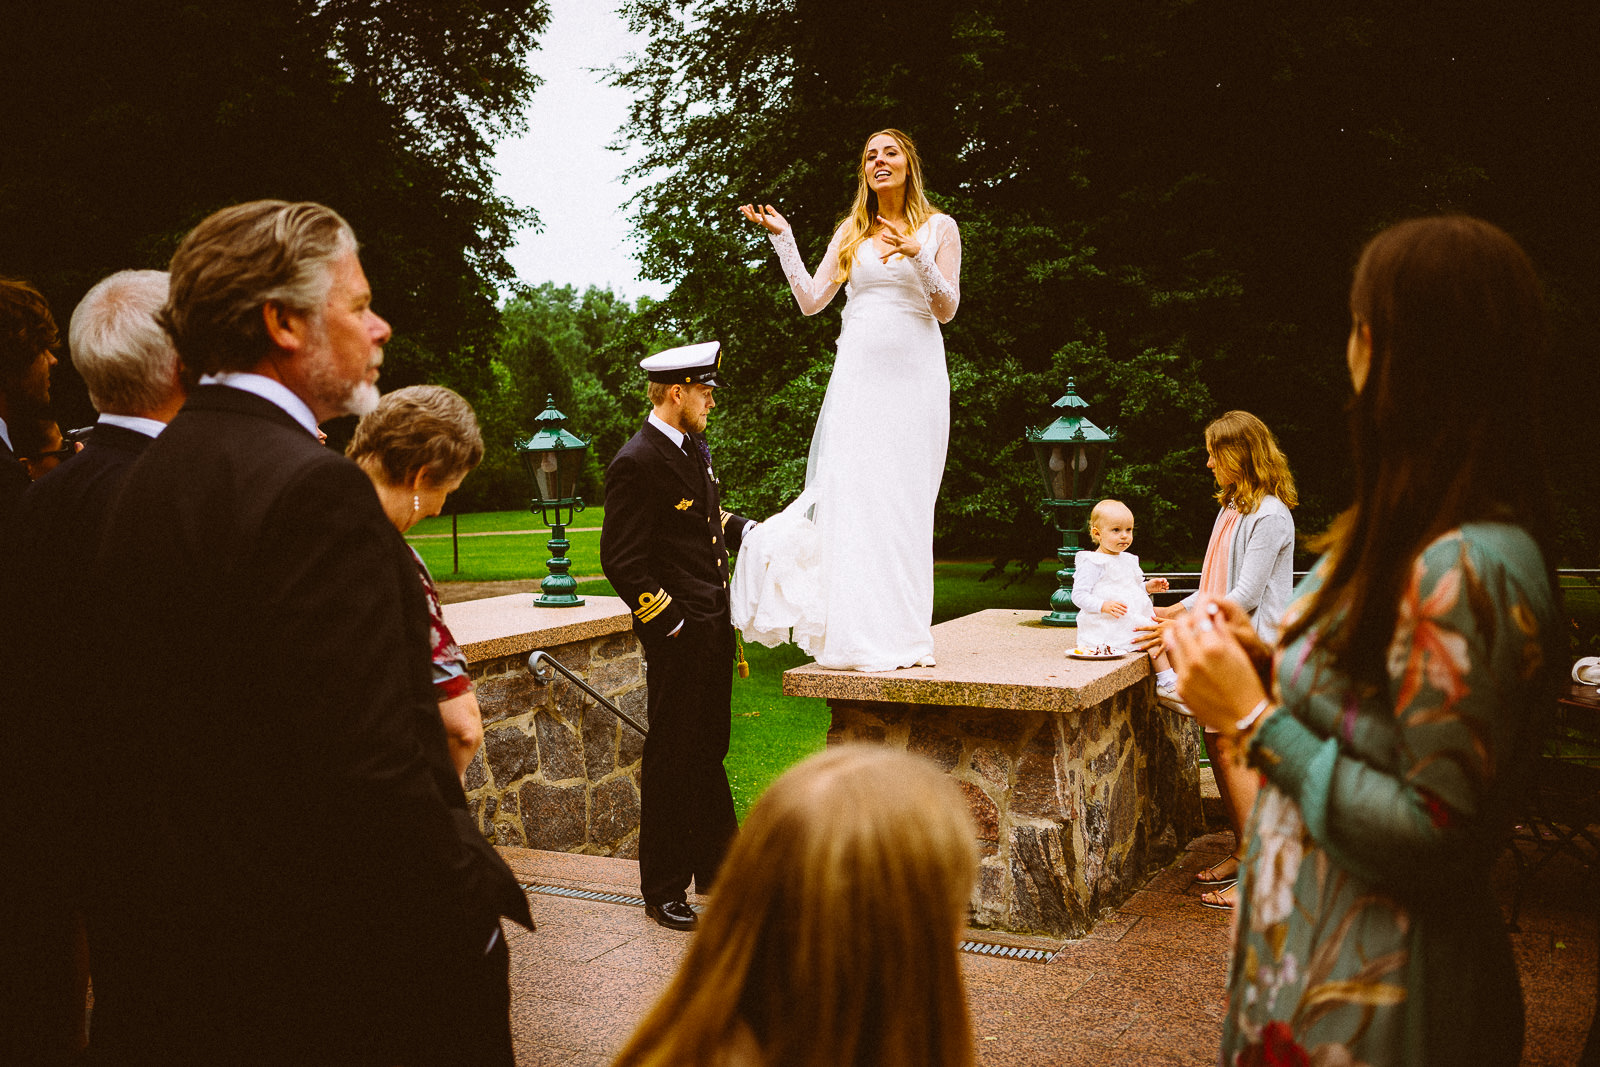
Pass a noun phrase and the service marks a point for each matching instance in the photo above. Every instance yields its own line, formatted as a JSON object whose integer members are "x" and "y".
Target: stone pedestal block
{"x": 1079, "y": 783}
{"x": 556, "y": 770}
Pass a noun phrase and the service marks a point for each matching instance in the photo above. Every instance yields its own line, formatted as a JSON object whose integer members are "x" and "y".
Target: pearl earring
{"x": 416, "y": 502}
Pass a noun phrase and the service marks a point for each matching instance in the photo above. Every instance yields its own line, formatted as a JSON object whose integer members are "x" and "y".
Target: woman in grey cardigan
{"x": 1250, "y": 561}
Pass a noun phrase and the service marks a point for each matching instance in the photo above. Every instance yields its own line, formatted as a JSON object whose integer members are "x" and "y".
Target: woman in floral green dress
{"x": 1408, "y": 687}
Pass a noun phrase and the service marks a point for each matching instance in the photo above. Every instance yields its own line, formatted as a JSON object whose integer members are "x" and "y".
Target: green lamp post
{"x": 553, "y": 459}
{"x": 1072, "y": 458}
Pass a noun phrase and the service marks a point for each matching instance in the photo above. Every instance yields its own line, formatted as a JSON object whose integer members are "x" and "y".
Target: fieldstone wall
{"x": 1073, "y": 808}
{"x": 557, "y": 771}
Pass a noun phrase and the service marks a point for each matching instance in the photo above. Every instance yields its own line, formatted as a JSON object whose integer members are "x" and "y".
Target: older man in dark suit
{"x": 131, "y": 370}
{"x": 298, "y": 879}
{"x": 664, "y": 546}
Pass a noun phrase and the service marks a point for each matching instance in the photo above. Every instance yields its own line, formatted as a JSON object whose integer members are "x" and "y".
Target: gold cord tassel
{"x": 744, "y": 665}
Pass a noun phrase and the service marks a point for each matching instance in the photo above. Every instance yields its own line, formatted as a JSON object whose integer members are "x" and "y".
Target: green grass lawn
{"x": 504, "y": 556}
{"x": 485, "y": 521}
{"x": 1583, "y": 614}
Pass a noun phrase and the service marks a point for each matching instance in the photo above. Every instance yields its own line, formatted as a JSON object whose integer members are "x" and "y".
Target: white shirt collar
{"x": 269, "y": 389}
{"x": 136, "y": 423}
{"x": 5, "y": 435}
{"x": 674, "y": 434}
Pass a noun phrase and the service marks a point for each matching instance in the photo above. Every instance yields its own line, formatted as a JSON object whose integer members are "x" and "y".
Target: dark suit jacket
{"x": 665, "y": 540}
{"x": 45, "y": 555}
{"x": 13, "y": 483}
{"x": 293, "y": 872}
{"x": 51, "y": 547}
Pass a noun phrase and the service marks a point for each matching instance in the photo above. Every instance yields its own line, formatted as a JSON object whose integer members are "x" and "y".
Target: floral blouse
{"x": 1368, "y": 931}
{"x": 450, "y": 677}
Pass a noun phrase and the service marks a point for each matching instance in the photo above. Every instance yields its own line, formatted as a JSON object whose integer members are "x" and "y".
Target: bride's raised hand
{"x": 905, "y": 244}
{"x": 766, "y": 216}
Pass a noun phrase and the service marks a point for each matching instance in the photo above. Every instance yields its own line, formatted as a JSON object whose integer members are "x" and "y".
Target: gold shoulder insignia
{"x": 684, "y": 505}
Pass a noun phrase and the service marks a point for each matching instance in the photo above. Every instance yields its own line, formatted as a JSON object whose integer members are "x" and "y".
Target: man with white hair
{"x": 131, "y": 369}
{"x": 297, "y": 878}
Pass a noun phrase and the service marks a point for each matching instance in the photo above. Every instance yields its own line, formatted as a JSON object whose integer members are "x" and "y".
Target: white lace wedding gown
{"x": 848, "y": 567}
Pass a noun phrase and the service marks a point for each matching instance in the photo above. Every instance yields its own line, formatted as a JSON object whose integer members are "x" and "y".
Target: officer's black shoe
{"x": 674, "y": 915}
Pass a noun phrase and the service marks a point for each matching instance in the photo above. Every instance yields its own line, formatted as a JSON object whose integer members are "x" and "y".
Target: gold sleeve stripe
{"x": 726, "y": 515}
{"x": 652, "y": 604}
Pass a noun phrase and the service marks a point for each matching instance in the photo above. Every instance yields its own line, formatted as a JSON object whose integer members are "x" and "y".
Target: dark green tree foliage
{"x": 124, "y": 124}
{"x": 577, "y": 349}
{"x": 1160, "y": 198}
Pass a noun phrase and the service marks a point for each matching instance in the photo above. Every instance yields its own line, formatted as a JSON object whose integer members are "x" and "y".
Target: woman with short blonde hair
{"x": 417, "y": 445}
{"x": 832, "y": 938}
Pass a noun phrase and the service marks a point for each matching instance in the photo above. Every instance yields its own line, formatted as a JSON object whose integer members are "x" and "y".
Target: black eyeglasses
{"x": 67, "y": 450}
{"x": 71, "y": 442}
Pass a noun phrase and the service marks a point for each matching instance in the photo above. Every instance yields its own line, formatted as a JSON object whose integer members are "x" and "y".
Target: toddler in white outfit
{"x": 1112, "y": 594}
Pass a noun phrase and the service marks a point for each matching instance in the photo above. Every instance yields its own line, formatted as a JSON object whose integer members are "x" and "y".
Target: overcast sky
{"x": 561, "y": 166}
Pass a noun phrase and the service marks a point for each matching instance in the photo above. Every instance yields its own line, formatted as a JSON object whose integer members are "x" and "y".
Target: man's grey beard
{"x": 334, "y": 392}
{"x": 339, "y": 395}
{"x": 362, "y": 398}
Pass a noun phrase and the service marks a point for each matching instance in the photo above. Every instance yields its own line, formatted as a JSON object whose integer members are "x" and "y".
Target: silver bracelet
{"x": 1255, "y": 713}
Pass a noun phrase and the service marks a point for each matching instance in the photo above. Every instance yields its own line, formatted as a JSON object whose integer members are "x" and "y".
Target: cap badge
{"x": 684, "y": 505}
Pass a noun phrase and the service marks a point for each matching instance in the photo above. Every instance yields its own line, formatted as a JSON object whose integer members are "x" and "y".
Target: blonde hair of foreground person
{"x": 832, "y": 936}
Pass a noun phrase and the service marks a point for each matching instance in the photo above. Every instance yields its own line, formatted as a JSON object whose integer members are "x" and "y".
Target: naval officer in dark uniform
{"x": 664, "y": 547}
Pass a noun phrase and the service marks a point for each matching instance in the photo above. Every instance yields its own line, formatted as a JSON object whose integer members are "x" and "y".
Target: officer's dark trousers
{"x": 686, "y": 818}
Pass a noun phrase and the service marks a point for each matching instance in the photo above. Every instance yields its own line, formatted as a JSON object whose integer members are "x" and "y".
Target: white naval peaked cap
{"x": 686, "y": 365}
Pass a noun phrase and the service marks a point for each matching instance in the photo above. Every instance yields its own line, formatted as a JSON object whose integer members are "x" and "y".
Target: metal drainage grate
{"x": 583, "y": 894}
{"x": 1008, "y": 952}
{"x": 588, "y": 894}
{"x": 977, "y": 948}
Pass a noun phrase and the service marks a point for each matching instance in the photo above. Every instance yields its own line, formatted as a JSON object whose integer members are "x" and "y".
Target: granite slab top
{"x": 1000, "y": 658}
{"x": 508, "y": 625}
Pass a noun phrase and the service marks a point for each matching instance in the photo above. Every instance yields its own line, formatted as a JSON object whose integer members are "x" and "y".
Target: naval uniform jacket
{"x": 665, "y": 541}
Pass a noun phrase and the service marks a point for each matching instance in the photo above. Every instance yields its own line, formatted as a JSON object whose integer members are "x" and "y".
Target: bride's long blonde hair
{"x": 864, "y": 211}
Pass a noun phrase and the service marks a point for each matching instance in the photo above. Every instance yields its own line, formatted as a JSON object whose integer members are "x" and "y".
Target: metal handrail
{"x": 1588, "y": 574}
{"x": 539, "y": 664}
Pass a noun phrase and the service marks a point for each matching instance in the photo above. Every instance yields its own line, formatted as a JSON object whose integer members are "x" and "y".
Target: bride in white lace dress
{"x": 848, "y": 567}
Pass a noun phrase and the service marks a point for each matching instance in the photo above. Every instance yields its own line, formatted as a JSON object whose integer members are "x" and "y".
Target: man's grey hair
{"x": 237, "y": 261}
{"x": 125, "y": 357}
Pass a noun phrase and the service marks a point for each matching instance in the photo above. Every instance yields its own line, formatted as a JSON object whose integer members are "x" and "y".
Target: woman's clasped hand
{"x": 1222, "y": 664}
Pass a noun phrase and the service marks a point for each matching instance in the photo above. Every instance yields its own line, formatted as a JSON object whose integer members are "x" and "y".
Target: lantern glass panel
{"x": 547, "y": 477}
{"x": 1071, "y": 470}
{"x": 571, "y": 463}
{"x": 1090, "y": 463}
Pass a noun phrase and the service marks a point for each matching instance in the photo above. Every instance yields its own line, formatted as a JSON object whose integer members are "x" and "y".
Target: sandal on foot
{"x": 1217, "y": 898}
{"x": 1216, "y": 878}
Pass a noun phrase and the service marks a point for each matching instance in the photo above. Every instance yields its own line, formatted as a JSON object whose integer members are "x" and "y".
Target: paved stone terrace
{"x": 1145, "y": 987}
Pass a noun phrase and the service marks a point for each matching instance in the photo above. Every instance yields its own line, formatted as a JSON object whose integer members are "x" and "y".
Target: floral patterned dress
{"x": 1368, "y": 932}
{"x": 450, "y": 678}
